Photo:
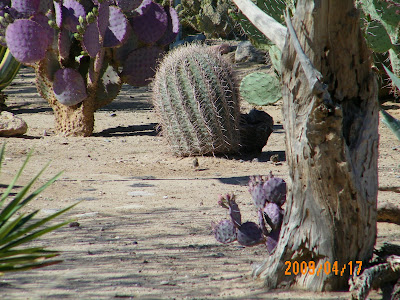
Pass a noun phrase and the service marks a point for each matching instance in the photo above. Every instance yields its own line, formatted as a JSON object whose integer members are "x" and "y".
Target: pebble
{"x": 74, "y": 224}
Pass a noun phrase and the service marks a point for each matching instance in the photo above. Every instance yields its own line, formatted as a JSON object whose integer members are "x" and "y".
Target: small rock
{"x": 274, "y": 158}
{"x": 11, "y": 125}
{"x": 195, "y": 162}
{"x": 246, "y": 52}
{"x": 222, "y": 49}
{"x": 113, "y": 115}
{"x": 74, "y": 224}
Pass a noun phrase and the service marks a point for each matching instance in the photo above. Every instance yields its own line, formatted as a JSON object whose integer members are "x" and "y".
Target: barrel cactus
{"x": 196, "y": 98}
{"x": 83, "y": 51}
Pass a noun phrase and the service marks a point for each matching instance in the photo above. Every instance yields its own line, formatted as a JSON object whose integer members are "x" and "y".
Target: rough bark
{"x": 76, "y": 120}
{"x": 331, "y": 150}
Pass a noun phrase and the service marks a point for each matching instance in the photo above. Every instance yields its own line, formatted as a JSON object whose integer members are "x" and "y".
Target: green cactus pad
{"x": 275, "y": 55}
{"x": 260, "y": 88}
{"x": 388, "y": 13}
{"x": 377, "y": 37}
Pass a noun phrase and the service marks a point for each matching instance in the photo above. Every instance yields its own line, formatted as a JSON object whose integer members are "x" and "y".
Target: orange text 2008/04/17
{"x": 295, "y": 268}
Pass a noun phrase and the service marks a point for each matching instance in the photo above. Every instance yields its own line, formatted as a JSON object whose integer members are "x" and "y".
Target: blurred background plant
{"x": 9, "y": 68}
{"x": 18, "y": 228}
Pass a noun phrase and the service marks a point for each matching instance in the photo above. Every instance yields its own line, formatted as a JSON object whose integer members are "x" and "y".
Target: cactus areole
{"x": 83, "y": 51}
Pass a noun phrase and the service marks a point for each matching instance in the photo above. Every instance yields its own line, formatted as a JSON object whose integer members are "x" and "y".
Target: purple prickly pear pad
{"x": 140, "y": 66}
{"x": 64, "y": 43}
{"x": 257, "y": 191}
{"x": 118, "y": 28}
{"x": 249, "y": 234}
{"x": 26, "y": 7}
{"x": 91, "y": 40}
{"x": 128, "y": 5}
{"x": 224, "y": 231}
{"x": 69, "y": 87}
{"x": 151, "y": 23}
{"x": 103, "y": 18}
{"x": 71, "y": 11}
{"x": 272, "y": 240}
{"x": 27, "y": 40}
{"x": 172, "y": 29}
{"x": 275, "y": 189}
{"x": 275, "y": 215}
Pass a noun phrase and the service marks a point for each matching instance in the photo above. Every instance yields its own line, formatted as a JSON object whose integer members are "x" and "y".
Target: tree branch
{"x": 314, "y": 77}
{"x": 272, "y": 29}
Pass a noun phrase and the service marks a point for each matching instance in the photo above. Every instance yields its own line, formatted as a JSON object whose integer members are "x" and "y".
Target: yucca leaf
{"x": 22, "y": 229}
{"x": 23, "y": 221}
{"x": 12, "y": 184}
{"x": 11, "y": 238}
{"x": 14, "y": 206}
{"x": 14, "y": 243}
{"x": 394, "y": 78}
{"x": 23, "y": 259}
{"x": 391, "y": 122}
{"x": 39, "y": 250}
{"x": 13, "y": 268}
{"x": 2, "y": 154}
{"x": 8, "y": 227}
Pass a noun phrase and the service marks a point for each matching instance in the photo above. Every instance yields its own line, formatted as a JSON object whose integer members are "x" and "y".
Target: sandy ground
{"x": 145, "y": 216}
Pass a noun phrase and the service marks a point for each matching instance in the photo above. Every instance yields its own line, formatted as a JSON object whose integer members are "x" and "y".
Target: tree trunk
{"x": 331, "y": 151}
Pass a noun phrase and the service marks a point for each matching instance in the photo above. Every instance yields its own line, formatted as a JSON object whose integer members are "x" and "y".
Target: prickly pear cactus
{"x": 83, "y": 51}
{"x": 196, "y": 98}
{"x": 269, "y": 194}
{"x": 210, "y": 17}
{"x": 381, "y": 23}
{"x": 260, "y": 88}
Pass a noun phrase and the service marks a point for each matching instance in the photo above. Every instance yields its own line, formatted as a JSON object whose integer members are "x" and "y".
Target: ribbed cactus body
{"x": 197, "y": 100}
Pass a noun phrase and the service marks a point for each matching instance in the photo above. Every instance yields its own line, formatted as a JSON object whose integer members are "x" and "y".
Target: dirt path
{"x": 145, "y": 216}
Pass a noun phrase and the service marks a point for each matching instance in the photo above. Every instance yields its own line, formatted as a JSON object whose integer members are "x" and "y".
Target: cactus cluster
{"x": 260, "y": 88}
{"x": 269, "y": 195}
{"x": 83, "y": 51}
{"x": 381, "y": 24}
{"x": 195, "y": 96}
{"x": 210, "y": 17}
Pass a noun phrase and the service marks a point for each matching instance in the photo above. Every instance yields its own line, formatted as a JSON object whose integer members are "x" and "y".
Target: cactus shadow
{"x": 236, "y": 180}
{"x": 133, "y": 130}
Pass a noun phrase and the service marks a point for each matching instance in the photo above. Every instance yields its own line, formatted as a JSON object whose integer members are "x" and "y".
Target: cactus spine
{"x": 197, "y": 101}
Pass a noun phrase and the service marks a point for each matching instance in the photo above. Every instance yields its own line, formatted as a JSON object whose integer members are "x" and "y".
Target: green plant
{"x": 260, "y": 88}
{"x": 210, "y": 17}
{"x": 196, "y": 98}
{"x": 86, "y": 50}
{"x": 9, "y": 67}
{"x": 381, "y": 24}
{"x": 388, "y": 120}
{"x": 18, "y": 229}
